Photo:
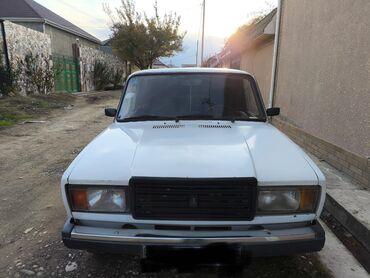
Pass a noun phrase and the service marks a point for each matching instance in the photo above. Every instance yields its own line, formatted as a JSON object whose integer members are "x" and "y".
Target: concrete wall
{"x": 37, "y": 26}
{"x": 61, "y": 41}
{"x": 323, "y": 74}
{"x": 258, "y": 61}
{"x": 88, "y": 56}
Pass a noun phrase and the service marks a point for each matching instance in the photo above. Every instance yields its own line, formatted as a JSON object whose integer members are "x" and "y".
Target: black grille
{"x": 193, "y": 199}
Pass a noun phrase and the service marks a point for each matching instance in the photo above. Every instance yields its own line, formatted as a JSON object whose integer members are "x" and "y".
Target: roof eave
{"x": 21, "y": 19}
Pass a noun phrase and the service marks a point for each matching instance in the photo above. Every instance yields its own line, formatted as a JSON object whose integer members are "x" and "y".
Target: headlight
{"x": 97, "y": 199}
{"x": 285, "y": 200}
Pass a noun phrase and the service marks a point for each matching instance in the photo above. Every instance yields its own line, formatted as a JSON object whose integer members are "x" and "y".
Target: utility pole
{"x": 202, "y": 49}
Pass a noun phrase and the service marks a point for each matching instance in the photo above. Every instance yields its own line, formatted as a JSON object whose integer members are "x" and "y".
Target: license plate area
{"x": 207, "y": 255}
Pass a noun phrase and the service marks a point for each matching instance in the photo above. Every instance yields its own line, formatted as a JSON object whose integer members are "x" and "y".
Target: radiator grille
{"x": 193, "y": 199}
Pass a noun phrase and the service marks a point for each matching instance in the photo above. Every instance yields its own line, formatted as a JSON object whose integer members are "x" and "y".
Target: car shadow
{"x": 307, "y": 265}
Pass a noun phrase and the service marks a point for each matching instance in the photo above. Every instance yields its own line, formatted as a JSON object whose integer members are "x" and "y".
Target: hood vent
{"x": 168, "y": 126}
{"x": 215, "y": 126}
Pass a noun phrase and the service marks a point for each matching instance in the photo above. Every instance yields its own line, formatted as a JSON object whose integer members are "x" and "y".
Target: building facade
{"x": 252, "y": 52}
{"x": 322, "y": 77}
{"x": 31, "y": 27}
{"x": 323, "y": 81}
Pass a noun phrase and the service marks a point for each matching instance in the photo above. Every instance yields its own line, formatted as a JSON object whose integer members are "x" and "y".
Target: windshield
{"x": 191, "y": 96}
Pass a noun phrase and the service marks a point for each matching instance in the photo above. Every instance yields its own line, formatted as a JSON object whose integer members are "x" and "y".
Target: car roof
{"x": 188, "y": 70}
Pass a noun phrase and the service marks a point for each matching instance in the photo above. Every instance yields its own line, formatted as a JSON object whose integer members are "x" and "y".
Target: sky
{"x": 223, "y": 17}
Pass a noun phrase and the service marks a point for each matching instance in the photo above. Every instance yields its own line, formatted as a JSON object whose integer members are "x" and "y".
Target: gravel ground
{"x": 32, "y": 160}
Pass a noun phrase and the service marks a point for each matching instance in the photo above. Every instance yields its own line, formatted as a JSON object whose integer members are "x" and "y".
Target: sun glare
{"x": 223, "y": 19}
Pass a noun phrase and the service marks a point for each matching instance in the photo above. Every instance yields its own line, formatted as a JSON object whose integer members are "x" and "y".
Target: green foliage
{"x": 116, "y": 78}
{"x": 38, "y": 74}
{"x": 8, "y": 79}
{"x": 103, "y": 75}
{"x": 141, "y": 39}
{"x": 19, "y": 108}
{"x": 6, "y": 123}
{"x": 8, "y": 119}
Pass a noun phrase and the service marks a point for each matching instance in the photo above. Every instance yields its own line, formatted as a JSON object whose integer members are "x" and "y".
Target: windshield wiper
{"x": 194, "y": 117}
{"x": 146, "y": 118}
{"x": 205, "y": 116}
{"x": 211, "y": 117}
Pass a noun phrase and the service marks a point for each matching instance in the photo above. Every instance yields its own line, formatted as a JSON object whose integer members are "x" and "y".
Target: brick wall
{"x": 358, "y": 168}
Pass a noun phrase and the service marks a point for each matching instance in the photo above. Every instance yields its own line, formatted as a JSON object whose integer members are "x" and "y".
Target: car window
{"x": 218, "y": 96}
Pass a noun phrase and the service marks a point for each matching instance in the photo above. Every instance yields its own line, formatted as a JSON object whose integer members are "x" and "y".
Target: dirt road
{"x": 32, "y": 160}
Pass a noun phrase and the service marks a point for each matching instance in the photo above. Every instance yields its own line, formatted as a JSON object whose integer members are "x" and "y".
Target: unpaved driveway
{"x": 32, "y": 160}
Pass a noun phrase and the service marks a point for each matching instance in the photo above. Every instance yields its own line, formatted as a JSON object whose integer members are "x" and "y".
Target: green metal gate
{"x": 68, "y": 78}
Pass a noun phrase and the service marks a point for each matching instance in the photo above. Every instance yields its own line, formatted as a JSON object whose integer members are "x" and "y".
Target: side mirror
{"x": 110, "y": 112}
{"x": 274, "y": 111}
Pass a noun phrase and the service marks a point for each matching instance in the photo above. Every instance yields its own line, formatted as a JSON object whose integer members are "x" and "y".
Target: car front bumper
{"x": 262, "y": 242}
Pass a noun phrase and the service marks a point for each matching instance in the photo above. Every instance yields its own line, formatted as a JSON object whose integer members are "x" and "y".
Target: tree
{"x": 38, "y": 73}
{"x": 8, "y": 79}
{"x": 140, "y": 39}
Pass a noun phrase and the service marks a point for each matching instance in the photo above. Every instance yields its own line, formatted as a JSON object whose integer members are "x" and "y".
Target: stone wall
{"x": 88, "y": 56}
{"x": 22, "y": 41}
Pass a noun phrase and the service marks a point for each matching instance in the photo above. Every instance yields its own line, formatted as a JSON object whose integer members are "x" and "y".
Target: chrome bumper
{"x": 257, "y": 242}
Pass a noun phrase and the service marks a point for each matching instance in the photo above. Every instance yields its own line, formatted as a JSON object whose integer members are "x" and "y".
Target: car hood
{"x": 193, "y": 149}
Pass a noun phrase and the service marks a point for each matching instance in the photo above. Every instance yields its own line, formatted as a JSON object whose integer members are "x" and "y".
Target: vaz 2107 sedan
{"x": 189, "y": 162}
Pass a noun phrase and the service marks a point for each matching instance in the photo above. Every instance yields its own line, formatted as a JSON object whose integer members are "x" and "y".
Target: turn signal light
{"x": 308, "y": 199}
{"x": 79, "y": 199}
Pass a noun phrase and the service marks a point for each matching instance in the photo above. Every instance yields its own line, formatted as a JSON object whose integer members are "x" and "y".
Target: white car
{"x": 190, "y": 162}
